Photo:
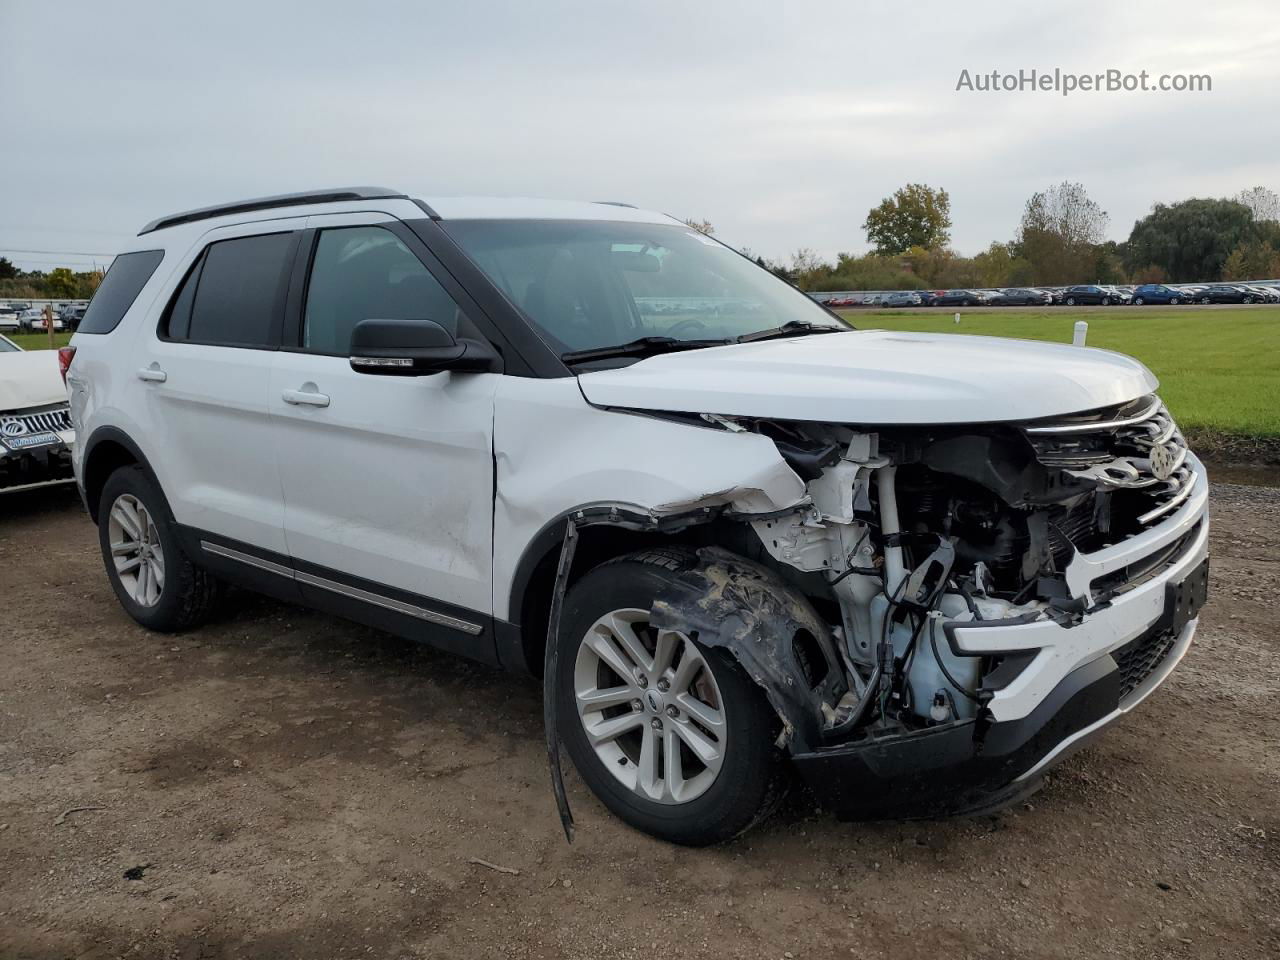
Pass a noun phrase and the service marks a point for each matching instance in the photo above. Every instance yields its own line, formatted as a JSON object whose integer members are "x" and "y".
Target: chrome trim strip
{"x": 387, "y": 603}
{"x": 247, "y": 559}
{"x": 1187, "y": 486}
{"x": 1095, "y": 426}
{"x": 1139, "y": 693}
{"x": 1084, "y": 568}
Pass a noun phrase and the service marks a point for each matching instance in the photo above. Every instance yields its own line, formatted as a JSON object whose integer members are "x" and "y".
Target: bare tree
{"x": 1262, "y": 202}
{"x": 1060, "y": 228}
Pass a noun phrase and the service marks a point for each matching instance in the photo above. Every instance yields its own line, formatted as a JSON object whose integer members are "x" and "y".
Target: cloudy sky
{"x": 781, "y": 123}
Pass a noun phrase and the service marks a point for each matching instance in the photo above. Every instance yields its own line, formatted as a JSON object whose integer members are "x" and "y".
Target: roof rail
{"x": 333, "y": 195}
{"x": 616, "y": 203}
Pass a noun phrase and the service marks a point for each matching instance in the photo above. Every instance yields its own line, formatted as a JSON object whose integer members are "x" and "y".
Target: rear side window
{"x": 234, "y": 295}
{"x": 121, "y": 286}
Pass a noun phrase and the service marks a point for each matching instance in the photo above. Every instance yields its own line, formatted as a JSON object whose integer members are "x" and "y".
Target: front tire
{"x": 152, "y": 578}
{"x": 671, "y": 735}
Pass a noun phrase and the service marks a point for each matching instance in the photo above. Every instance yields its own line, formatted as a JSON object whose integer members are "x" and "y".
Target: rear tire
{"x": 736, "y": 732}
{"x": 152, "y": 577}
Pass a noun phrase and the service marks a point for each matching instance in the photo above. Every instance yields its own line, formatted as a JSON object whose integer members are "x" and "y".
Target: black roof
{"x": 333, "y": 195}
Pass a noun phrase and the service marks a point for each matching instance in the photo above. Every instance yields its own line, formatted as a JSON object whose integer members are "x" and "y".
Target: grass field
{"x": 1219, "y": 369}
{"x": 37, "y": 341}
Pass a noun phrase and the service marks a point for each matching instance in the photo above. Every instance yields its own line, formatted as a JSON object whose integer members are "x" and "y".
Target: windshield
{"x": 8, "y": 346}
{"x": 588, "y": 284}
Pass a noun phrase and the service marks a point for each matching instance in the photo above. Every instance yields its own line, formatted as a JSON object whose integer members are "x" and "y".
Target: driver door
{"x": 387, "y": 481}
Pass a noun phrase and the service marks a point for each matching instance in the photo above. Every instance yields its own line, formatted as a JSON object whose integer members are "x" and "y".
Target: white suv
{"x": 737, "y": 539}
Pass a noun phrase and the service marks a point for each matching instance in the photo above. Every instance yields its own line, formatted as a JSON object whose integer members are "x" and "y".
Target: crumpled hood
{"x": 30, "y": 379}
{"x": 877, "y": 377}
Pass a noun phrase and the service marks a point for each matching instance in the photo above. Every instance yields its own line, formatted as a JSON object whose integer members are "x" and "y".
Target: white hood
{"x": 30, "y": 379}
{"x": 877, "y": 377}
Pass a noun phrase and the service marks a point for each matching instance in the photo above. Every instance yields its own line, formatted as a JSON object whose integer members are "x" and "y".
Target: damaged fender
{"x": 769, "y": 627}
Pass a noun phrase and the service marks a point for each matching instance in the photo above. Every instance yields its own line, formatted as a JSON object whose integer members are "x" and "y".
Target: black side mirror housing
{"x": 415, "y": 348}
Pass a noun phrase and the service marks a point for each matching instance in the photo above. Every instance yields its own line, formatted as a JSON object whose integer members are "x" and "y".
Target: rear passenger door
{"x": 388, "y": 481}
{"x": 205, "y": 374}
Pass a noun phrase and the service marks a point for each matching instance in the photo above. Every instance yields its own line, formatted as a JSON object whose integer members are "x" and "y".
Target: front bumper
{"x": 1078, "y": 678}
{"x": 24, "y": 469}
{"x": 976, "y": 765}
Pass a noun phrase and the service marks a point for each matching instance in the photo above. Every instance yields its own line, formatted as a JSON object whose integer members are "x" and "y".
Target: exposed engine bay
{"x": 909, "y": 533}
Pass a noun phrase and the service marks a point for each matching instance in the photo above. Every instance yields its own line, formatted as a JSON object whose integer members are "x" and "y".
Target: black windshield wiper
{"x": 643, "y": 346}
{"x": 790, "y": 329}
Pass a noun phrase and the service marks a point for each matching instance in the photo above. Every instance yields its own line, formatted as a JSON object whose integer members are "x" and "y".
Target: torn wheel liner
{"x": 769, "y": 627}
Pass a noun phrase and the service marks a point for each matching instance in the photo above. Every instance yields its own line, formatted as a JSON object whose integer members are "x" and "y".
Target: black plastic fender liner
{"x": 551, "y": 658}
{"x": 769, "y": 627}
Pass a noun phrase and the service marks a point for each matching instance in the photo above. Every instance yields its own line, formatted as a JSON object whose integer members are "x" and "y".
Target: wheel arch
{"x": 605, "y": 531}
{"x": 107, "y": 450}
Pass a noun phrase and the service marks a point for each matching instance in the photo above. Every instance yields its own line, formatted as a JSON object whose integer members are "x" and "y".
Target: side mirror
{"x": 414, "y": 348}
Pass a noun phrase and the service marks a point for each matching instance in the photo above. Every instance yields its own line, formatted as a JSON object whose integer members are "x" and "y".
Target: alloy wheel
{"x": 650, "y": 707}
{"x": 136, "y": 550}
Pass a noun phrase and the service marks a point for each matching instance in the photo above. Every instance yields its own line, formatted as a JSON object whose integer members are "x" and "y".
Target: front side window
{"x": 234, "y": 295}
{"x": 366, "y": 273}
{"x": 593, "y": 284}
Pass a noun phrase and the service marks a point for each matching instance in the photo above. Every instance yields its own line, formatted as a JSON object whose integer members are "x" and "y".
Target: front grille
{"x": 1138, "y": 658}
{"x": 42, "y": 421}
{"x": 1133, "y": 450}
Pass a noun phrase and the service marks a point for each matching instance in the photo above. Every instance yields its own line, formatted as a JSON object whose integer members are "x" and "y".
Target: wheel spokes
{"x": 595, "y": 699}
{"x": 655, "y": 720}
{"x": 606, "y": 731}
{"x": 124, "y": 515}
{"x": 707, "y": 716}
{"x": 623, "y": 631}
{"x": 603, "y": 645}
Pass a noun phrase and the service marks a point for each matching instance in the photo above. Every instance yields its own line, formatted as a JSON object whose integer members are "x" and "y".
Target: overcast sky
{"x": 781, "y": 123}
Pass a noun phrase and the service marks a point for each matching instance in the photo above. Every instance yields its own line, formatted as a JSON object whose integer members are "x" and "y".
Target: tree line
{"x": 58, "y": 284}
{"x": 1060, "y": 240}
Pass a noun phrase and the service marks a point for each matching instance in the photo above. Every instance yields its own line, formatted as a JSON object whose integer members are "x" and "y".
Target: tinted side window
{"x": 239, "y": 291}
{"x": 366, "y": 273}
{"x": 121, "y": 286}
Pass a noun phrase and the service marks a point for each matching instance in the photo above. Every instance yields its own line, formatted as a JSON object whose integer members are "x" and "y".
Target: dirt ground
{"x": 283, "y": 784}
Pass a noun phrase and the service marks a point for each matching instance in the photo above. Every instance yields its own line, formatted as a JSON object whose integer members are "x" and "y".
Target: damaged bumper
{"x": 1075, "y": 680}
{"x": 976, "y": 766}
{"x": 28, "y": 461}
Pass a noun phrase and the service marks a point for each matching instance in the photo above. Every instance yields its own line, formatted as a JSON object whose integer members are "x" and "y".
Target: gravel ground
{"x": 283, "y": 784}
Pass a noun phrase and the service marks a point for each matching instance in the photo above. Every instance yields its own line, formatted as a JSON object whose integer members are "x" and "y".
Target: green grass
{"x": 1219, "y": 369}
{"x": 37, "y": 341}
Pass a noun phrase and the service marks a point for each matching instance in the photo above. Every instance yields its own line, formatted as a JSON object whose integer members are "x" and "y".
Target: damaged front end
{"x": 949, "y": 610}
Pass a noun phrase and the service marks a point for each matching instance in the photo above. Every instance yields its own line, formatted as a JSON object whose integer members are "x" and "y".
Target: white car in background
{"x": 8, "y": 318}
{"x": 34, "y": 321}
{"x": 35, "y": 421}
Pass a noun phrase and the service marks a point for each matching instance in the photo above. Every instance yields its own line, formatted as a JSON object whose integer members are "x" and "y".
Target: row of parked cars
{"x": 1082, "y": 295}
{"x": 22, "y": 316}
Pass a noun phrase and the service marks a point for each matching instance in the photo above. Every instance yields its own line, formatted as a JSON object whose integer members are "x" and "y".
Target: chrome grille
{"x": 53, "y": 419}
{"x": 1133, "y": 447}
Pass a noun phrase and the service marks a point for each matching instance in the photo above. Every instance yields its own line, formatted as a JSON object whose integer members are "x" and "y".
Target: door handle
{"x": 309, "y": 398}
{"x": 153, "y": 374}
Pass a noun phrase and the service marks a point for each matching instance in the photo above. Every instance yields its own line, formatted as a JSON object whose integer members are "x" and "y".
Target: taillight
{"x": 65, "y": 356}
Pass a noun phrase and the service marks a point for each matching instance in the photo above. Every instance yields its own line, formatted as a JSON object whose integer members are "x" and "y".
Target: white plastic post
{"x": 1081, "y": 331}
{"x": 957, "y": 317}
